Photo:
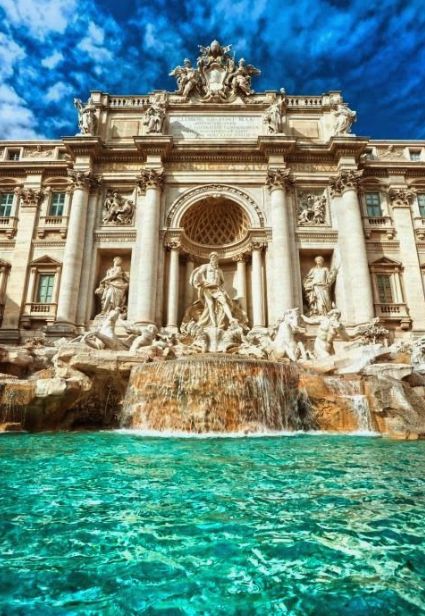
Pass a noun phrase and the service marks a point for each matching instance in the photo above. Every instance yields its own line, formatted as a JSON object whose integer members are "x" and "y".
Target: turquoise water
{"x": 112, "y": 523}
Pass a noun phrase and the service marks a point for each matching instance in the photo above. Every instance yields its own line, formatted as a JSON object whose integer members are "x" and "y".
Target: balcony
{"x": 34, "y": 310}
{"x": 379, "y": 224}
{"x": 8, "y": 226}
{"x": 394, "y": 312}
{"x": 52, "y": 224}
{"x": 419, "y": 224}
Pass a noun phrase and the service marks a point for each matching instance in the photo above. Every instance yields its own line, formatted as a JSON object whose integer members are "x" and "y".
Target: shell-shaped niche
{"x": 215, "y": 222}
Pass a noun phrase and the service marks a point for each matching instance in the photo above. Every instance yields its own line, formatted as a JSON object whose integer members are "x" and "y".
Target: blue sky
{"x": 53, "y": 50}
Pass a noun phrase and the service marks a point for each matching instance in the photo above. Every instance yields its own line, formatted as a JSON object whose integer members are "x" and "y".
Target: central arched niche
{"x": 215, "y": 221}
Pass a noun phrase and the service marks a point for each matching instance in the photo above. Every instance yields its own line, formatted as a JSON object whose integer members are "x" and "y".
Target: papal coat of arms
{"x": 218, "y": 77}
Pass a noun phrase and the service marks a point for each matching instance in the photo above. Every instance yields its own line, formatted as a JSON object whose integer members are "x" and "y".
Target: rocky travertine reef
{"x": 69, "y": 386}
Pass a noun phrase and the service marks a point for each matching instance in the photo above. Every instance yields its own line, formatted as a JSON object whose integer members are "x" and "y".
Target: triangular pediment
{"x": 45, "y": 260}
{"x": 386, "y": 261}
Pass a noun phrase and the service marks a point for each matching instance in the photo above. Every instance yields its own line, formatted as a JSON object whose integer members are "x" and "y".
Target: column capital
{"x": 241, "y": 257}
{"x": 346, "y": 180}
{"x": 151, "y": 178}
{"x": 82, "y": 179}
{"x": 278, "y": 178}
{"x": 173, "y": 245}
{"x": 400, "y": 196}
{"x": 29, "y": 197}
{"x": 257, "y": 245}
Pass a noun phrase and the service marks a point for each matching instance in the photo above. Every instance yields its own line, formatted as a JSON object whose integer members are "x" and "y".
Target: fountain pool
{"x": 115, "y": 523}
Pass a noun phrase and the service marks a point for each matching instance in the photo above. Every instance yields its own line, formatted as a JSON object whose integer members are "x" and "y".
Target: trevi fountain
{"x": 212, "y": 307}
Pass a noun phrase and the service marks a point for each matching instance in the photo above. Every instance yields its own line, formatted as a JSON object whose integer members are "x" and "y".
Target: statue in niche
{"x": 330, "y": 327}
{"x": 274, "y": 116}
{"x": 118, "y": 210}
{"x": 154, "y": 118}
{"x": 344, "y": 117}
{"x": 317, "y": 286}
{"x": 188, "y": 78}
{"x": 87, "y": 120}
{"x": 113, "y": 288}
{"x": 312, "y": 209}
{"x": 209, "y": 281}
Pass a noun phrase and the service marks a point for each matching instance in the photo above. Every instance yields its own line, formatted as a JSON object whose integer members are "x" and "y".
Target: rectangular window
{"x": 421, "y": 204}
{"x": 6, "y": 202}
{"x": 57, "y": 204}
{"x": 415, "y": 155}
{"x": 385, "y": 292}
{"x": 373, "y": 205}
{"x": 45, "y": 288}
{"x": 13, "y": 154}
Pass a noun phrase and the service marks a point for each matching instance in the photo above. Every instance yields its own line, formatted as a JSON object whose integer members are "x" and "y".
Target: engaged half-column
{"x": 74, "y": 250}
{"x": 283, "y": 271}
{"x": 352, "y": 247}
{"x": 145, "y": 275}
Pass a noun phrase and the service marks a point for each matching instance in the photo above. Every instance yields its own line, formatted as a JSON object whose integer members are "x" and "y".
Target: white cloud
{"x": 41, "y": 17}
{"x": 53, "y": 60}
{"x": 16, "y": 120}
{"x": 10, "y": 54}
{"x": 58, "y": 91}
{"x": 92, "y": 45}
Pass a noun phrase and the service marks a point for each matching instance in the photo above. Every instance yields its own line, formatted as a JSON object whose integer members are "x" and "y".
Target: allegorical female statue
{"x": 317, "y": 286}
{"x": 87, "y": 121}
{"x": 113, "y": 288}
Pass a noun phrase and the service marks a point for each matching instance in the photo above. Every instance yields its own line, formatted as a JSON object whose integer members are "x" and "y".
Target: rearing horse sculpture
{"x": 287, "y": 342}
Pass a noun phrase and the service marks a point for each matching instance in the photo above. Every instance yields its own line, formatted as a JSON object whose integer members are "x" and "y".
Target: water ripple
{"x": 120, "y": 523}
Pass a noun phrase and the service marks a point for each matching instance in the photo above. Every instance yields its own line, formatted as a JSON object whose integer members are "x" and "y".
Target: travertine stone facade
{"x": 269, "y": 181}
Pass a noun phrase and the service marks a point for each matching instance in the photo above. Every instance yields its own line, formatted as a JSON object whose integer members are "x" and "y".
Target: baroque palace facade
{"x": 269, "y": 181}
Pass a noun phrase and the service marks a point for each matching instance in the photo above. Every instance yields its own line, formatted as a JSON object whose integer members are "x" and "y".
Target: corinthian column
{"x": 241, "y": 279}
{"x": 74, "y": 250}
{"x": 283, "y": 271}
{"x": 352, "y": 248}
{"x": 147, "y": 244}
{"x": 258, "y": 319}
{"x": 173, "y": 285}
{"x": 401, "y": 198}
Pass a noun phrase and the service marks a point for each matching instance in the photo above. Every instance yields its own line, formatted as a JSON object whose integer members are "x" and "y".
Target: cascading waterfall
{"x": 213, "y": 393}
{"x": 360, "y": 407}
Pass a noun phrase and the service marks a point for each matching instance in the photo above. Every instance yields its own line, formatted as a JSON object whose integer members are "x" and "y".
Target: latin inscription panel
{"x": 215, "y": 126}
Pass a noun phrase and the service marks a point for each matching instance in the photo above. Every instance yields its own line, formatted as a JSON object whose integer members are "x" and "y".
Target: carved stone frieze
{"x": 150, "y": 178}
{"x": 312, "y": 206}
{"x": 278, "y": 178}
{"x": 401, "y": 197}
{"x": 117, "y": 210}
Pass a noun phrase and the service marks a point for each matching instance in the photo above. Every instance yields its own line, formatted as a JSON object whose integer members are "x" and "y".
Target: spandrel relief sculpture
{"x": 117, "y": 210}
{"x": 311, "y": 208}
{"x": 87, "y": 120}
{"x": 112, "y": 289}
{"x": 318, "y": 284}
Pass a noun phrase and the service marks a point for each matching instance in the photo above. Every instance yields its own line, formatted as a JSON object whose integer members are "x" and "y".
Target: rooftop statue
{"x": 217, "y": 77}
{"x": 87, "y": 120}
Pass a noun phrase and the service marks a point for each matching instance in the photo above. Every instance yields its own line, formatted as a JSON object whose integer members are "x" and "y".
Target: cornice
{"x": 84, "y": 145}
{"x": 160, "y": 145}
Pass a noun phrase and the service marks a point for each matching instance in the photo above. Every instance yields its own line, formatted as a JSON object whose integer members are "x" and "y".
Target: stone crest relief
{"x": 218, "y": 77}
